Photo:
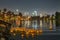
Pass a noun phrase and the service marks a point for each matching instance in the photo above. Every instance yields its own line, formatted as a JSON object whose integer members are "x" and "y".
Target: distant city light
{"x": 17, "y": 10}
{"x": 26, "y": 13}
{"x": 45, "y": 14}
{"x": 41, "y": 15}
{"x": 34, "y": 13}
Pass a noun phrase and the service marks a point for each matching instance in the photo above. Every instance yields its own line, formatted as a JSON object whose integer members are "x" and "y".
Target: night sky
{"x": 41, "y": 6}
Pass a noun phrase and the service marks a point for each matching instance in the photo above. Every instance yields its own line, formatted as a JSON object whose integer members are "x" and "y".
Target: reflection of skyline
{"x": 44, "y": 25}
{"x": 43, "y": 6}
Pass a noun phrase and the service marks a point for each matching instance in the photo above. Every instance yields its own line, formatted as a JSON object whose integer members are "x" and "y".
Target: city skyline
{"x": 41, "y": 6}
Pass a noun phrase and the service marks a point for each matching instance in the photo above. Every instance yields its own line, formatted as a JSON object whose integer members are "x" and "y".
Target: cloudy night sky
{"x": 41, "y": 6}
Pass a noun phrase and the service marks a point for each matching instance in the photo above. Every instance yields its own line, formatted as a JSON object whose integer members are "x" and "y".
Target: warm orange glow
{"x": 22, "y": 35}
{"x": 37, "y": 32}
{"x": 11, "y": 31}
{"x": 27, "y": 31}
{"x": 14, "y": 34}
{"x": 2, "y": 25}
{"x": 29, "y": 17}
{"x": 32, "y": 34}
{"x": 50, "y": 27}
{"x": 41, "y": 31}
{"x": 31, "y": 31}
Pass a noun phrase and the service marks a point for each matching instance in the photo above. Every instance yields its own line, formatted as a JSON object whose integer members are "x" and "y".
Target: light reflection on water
{"x": 35, "y": 24}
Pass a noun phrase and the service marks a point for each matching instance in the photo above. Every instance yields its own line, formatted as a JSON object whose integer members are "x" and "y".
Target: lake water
{"x": 37, "y": 25}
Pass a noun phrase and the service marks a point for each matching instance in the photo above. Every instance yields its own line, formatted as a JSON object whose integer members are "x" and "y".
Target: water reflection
{"x": 54, "y": 24}
{"x": 35, "y": 24}
{"x": 2, "y": 39}
{"x": 26, "y": 24}
{"x": 50, "y": 27}
{"x": 40, "y": 24}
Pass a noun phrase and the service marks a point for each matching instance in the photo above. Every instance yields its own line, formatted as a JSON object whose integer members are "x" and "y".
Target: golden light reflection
{"x": 53, "y": 17}
{"x": 14, "y": 34}
{"x": 28, "y": 32}
{"x": 2, "y": 39}
{"x": 37, "y": 32}
{"x": 29, "y": 17}
{"x": 11, "y": 31}
{"x": 33, "y": 34}
{"x": 40, "y": 31}
{"x": 41, "y": 15}
{"x": 28, "y": 22}
{"x": 22, "y": 35}
{"x": 47, "y": 20}
{"x": 40, "y": 24}
{"x": 2, "y": 25}
{"x": 50, "y": 25}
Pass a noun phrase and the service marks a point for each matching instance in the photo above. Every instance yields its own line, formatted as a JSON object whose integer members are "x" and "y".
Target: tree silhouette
{"x": 9, "y": 12}
{"x": 57, "y": 18}
{"x": 0, "y": 11}
{"x": 4, "y": 10}
{"x": 20, "y": 14}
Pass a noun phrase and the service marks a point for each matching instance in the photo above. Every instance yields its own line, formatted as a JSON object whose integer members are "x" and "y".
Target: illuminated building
{"x": 41, "y": 15}
{"x": 34, "y": 13}
{"x": 26, "y": 13}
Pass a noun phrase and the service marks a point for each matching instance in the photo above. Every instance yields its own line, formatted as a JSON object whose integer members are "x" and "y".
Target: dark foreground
{"x": 39, "y": 37}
